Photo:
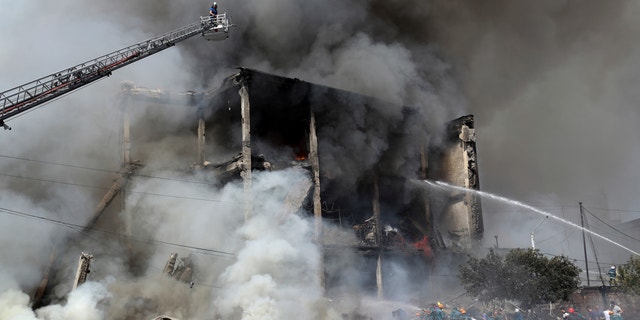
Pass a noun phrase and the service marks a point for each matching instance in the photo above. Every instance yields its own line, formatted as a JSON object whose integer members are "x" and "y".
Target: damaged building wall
{"x": 370, "y": 158}
{"x": 368, "y": 163}
{"x": 281, "y": 109}
{"x": 457, "y": 164}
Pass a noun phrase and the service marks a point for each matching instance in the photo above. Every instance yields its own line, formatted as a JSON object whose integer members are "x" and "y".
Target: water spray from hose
{"x": 440, "y": 184}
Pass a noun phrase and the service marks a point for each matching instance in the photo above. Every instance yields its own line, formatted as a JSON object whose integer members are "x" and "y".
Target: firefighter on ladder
{"x": 213, "y": 13}
{"x": 612, "y": 276}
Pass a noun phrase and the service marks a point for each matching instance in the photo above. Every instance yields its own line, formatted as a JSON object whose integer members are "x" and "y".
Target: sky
{"x": 552, "y": 86}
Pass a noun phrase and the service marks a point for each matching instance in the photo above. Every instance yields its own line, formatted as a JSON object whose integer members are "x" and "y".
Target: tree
{"x": 629, "y": 276}
{"x": 523, "y": 275}
{"x": 482, "y": 277}
{"x": 562, "y": 280}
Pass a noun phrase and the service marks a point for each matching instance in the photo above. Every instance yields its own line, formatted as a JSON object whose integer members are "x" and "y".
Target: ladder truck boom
{"x": 29, "y": 95}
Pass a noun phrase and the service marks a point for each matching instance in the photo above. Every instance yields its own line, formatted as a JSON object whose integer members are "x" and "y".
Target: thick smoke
{"x": 264, "y": 268}
{"x": 82, "y": 304}
{"x": 551, "y": 84}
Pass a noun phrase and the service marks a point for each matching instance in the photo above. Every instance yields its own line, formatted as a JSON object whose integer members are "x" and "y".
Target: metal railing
{"x": 220, "y": 21}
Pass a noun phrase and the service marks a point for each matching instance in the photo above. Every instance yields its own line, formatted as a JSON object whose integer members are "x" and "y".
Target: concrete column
{"x": 125, "y": 221}
{"x": 317, "y": 208}
{"x": 376, "y": 218}
{"x": 119, "y": 185}
{"x": 246, "y": 149}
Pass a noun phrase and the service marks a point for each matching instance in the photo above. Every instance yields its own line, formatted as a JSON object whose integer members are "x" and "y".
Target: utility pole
{"x": 584, "y": 244}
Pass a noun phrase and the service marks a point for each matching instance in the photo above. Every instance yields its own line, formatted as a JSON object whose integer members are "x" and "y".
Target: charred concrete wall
{"x": 357, "y": 141}
{"x": 372, "y": 160}
{"x": 456, "y": 163}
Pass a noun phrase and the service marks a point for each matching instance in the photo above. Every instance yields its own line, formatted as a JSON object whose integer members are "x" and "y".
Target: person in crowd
{"x": 617, "y": 311}
{"x": 607, "y": 314}
{"x": 498, "y": 315}
{"x": 518, "y": 315}
{"x": 592, "y": 314}
{"x": 455, "y": 314}
{"x": 599, "y": 315}
{"x": 438, "y": 311}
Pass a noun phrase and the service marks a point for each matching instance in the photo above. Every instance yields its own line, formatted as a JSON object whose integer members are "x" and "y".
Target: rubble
{"x": 180, "y": 269}
{"x": 84, "y": 263}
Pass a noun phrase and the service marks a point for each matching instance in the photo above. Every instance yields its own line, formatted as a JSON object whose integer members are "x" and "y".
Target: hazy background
{"x": 552, "y": 85}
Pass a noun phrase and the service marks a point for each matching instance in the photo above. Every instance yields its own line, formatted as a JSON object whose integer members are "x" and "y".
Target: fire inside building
{"x": 366, "y": 166}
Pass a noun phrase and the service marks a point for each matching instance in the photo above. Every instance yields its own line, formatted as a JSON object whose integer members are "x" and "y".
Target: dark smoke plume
{"x": 552, "y": 85}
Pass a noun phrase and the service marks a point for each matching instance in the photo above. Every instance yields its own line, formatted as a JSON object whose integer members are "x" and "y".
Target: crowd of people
{"x": 613, "y": 312}
{"x": 437, "y": 311}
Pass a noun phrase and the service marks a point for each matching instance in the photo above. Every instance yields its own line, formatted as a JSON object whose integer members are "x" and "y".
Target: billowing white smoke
{"x": 277, "y": 271}
{"x": 276, "y": 275}
{"x": 273, "y": 275}
{"x": 83, "y": 304}
{"x": 14, "y": 304}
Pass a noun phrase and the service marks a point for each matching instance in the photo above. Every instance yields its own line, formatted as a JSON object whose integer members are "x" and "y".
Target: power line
{"x": 618, "y": 210}
{"x": 117, "y": 234}
{"x": 102, "y": 170}
{"x": 104, "y": 188}
{"x": 574, "y": 259}
{"x": 610, "y": 226}
{"x": 52, "y": 181}
{"x": 58, "y": 164}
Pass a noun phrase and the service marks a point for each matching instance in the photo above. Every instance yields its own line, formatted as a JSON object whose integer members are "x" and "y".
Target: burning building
{"x": 361, "y": 165}
{"x": 366, "y": 160}
{"x": 372, "y": 156}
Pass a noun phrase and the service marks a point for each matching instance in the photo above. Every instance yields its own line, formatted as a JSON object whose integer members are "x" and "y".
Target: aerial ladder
{"x": 37, "y": 92}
